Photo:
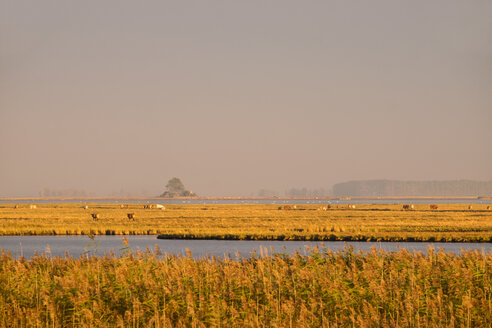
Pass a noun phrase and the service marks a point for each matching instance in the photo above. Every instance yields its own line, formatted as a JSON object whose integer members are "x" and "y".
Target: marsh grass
{"x": 323, "y": 289}
{"x": 453, "y": 222}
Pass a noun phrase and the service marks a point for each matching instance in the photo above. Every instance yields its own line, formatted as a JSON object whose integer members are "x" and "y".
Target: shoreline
{"x": 246, "y": 198}
{"x": 282, "y": 238}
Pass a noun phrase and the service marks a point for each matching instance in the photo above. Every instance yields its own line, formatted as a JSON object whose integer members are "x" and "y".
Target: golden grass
{"x": 324, "y": 289}
{"x": 454, "y": 222}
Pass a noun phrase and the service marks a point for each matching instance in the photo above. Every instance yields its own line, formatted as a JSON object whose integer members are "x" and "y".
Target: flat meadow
{"x": 452, "y": 222}
{"x": 320, "y": 289}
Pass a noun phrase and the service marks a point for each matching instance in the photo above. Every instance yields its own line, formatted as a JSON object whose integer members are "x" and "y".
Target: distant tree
{"x": 295, "y": 192}
{"x": 266, "y": 193}
{"x": 304, "y": 192}
{"x": 176, "y": 188}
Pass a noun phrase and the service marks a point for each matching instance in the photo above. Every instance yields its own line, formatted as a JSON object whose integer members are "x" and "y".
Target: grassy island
{"x": 452, "y": 222}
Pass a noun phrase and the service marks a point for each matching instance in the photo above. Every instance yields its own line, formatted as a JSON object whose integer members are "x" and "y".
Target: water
{"x": 256, "y": 201}
{"x": 79, "y": 245}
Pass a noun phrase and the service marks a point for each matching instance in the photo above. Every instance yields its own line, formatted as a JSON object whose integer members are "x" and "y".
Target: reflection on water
{"x": 27, "y": 246}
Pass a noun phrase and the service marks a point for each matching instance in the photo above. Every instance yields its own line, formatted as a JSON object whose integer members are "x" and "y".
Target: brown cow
{"x": 433, "y": 207}
{"x": 470, "y": 207}
{"x": 95, "y": 216}
{"x": 489, "y": 207}
{"x": 286, "y": 207}
{"x": 408, "y": 207}
{"x": 131, "y": 216}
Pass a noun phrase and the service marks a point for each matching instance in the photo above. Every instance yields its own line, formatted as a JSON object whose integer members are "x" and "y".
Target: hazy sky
{"x": 234, "y": 96}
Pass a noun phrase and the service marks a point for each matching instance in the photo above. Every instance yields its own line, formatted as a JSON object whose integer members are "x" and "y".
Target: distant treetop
{"x": 176, "y": 188}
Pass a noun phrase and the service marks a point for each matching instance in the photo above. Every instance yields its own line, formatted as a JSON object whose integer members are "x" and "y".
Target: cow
{"x": 159, "y": 206}
{"x": 433, "y": 207}
{"x": 32, "y": 206}
{"x": 124, "y": 206}
{"x": 16, "y": 206}
{"x": 85, "y": 207}
{"x": 131, "y": 216}
{"x": 489, "y": 207}
{"x": 95, "y": 216}
{"x": 149, "y": 206}
{"x": 351, "y": 206}
{"x": 408, "y": 207}
{"x": 470, "y": 207}
{"x": 286, "y": 207}
{"x": 323, "y": 208}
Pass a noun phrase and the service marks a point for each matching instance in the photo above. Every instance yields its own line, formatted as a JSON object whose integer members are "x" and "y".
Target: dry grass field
{"x": 324, "y": 289}
{"x": 453, "y": 222}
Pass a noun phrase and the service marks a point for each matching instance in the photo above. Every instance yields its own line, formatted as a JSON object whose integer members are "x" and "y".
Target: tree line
{"x": 388, "y": 188}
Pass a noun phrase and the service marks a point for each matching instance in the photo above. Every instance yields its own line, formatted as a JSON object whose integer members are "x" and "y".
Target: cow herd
{"x": 405, "y": 207}
{"x": 287, "y": 207}
{"x": 321, "y": 208}
{"x": 97, "y": 216}
{"x": 130, "y": 216}
{"x": 152, "y": 206}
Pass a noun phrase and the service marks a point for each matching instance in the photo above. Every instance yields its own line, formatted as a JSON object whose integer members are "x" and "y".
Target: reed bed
{"x": 451, "y": 222}
{"x": 323, "y": 289}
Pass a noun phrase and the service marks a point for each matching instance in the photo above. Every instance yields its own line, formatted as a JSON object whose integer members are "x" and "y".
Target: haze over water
{"x": 117, "y": 97}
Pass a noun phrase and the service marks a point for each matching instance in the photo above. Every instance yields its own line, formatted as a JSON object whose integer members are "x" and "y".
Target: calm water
{"x": 258, "y": 201}
{"x": 79, "y": 245}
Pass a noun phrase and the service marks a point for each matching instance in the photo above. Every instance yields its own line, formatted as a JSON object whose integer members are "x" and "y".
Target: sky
{"x": 119, "y": 96}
